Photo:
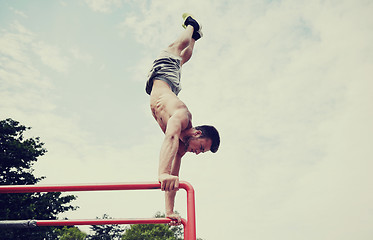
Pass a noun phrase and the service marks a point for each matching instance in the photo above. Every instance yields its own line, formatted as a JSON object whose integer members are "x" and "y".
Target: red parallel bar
{"x": 43, "y": 223}
{"x": 190, "y": 226}
{"x": 78, "y": 188}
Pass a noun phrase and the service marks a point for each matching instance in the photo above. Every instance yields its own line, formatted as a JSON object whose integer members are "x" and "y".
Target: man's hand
{"x": 176, "y": 219}
{"x": 168, "y": 182}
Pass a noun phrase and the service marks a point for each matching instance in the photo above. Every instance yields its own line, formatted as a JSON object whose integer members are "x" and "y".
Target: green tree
{"x": 17, "y": 157}
{"x": 153, "y": 231}
{"x": 71, "y": 233}
{"x": 106, "y": 232}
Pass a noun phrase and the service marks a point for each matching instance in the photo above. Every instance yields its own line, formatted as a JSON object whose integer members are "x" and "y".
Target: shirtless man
{"x": 172, "y": 114}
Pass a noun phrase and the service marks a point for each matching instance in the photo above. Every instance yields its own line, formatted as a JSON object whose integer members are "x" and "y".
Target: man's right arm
{"x": 168, "y": 154}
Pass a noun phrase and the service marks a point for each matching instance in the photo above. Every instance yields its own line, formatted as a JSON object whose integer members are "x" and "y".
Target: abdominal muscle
{"x": 164, "y": 103}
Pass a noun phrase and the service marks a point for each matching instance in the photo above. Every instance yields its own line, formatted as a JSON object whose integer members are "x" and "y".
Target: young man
{"x": 172, "y": 114}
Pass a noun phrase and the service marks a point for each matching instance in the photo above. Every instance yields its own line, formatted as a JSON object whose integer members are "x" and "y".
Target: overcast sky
{"x": 287, "y": 83}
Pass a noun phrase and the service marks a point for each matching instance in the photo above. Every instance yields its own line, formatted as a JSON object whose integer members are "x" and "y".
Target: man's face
{"x": 198, "y": 145}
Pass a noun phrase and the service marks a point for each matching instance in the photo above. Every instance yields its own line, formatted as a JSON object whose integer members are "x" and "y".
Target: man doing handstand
{"x": 172, "y": 114}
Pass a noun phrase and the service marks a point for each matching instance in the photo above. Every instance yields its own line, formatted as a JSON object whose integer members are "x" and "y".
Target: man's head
{"x": 204, "y": 138}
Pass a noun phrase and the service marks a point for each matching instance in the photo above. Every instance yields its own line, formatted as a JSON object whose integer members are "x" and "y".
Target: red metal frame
{"x": 189, "y": 224}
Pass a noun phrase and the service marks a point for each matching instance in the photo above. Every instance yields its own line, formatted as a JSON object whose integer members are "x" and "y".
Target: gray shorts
{"x": 165, "y": 68}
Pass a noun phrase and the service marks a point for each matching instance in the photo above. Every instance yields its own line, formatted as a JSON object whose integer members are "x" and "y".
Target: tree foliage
{"x": 137, "y": 231}
{"x": 106, "y": 232}
{"x": 18, "y": 154}
{"x": 70, "y": 233}
{"x": 153, "y": 231}
{"x": 17, "y": 157}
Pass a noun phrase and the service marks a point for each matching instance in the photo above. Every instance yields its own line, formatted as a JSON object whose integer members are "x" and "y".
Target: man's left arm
{"x": 170, "y": 195}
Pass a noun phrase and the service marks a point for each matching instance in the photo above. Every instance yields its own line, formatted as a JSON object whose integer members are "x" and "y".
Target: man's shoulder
{"x": 184, "y": 116}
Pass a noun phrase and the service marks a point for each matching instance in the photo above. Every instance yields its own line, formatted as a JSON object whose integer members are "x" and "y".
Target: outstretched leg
{"x": 183, "y": 46}
{"x": 186, "y": 54}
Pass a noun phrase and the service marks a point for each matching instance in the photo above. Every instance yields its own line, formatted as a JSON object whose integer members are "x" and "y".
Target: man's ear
{"x": 197, "y": 133}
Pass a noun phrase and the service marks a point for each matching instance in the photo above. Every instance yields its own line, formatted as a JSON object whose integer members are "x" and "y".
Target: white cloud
{"x": 84, "y": 57}
{"x": 51, "y": 56}
{"x": 104, "y": 6}
{"x": 12, "y": 43}
{"x": 18, "y": 12}
{"x": 63, "y": 3}
{"x": 23, "y": 86}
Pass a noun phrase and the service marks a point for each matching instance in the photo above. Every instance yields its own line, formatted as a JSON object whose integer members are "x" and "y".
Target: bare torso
{"x": 164, "y": 104}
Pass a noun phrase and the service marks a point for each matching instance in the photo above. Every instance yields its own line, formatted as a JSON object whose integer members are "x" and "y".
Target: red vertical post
{"x": 191, "y": 216}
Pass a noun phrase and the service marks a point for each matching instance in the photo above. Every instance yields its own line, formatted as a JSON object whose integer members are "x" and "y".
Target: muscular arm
{"x": 170, "y": 195}
{"x": 168, "y": 154}
{"x": 172, "y": 151}
{"x": 179, "y": 121}
{"x": 169, "y": 167}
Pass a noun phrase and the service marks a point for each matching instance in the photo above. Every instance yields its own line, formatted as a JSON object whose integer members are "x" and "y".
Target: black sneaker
{"x": 190, "y": 20}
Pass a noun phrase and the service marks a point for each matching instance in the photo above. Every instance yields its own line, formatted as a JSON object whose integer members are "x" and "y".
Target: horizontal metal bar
{"x": 18, "y": 224}
{"x": 105, "y": 221}
{"x": 42, "y": 223}
{"x": 86, "y": 187}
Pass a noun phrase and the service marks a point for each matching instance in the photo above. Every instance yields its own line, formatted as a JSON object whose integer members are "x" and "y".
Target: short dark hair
{"x": 212, "y": 133}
